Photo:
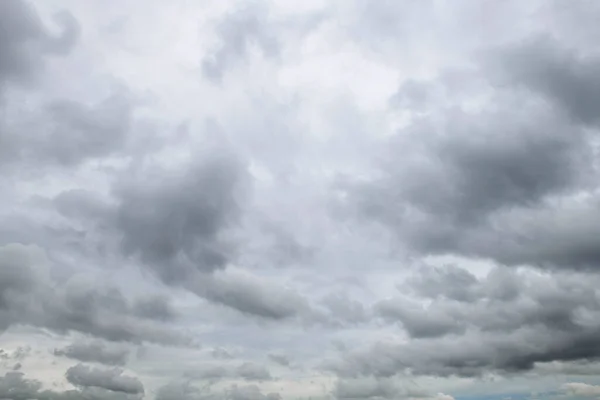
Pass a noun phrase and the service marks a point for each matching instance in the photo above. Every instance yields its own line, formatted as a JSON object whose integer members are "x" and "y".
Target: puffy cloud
{"x": 14, "y": 386}
{"x": 109, "y": 379}
{"x": 175, "y": 222}
{"x": 95, "y": 351}
{"x": 251, "y": 295}
{"x": 514, "y": 321}
{"x": 31, "y": 297}
{"x": 506, "y": 180}
{"x": 581, "y": 389}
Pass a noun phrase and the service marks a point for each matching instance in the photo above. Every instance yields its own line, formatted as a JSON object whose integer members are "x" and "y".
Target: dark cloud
{"x": 95, "y": 351}
{"x": 109, "y": 379}
{"x": 69, "y": 132}
{"x": 470, "y": 355}
{"x": 566, "y": 77}
{"x": 14, "y": 386}
{"x": 280, "y": 359}
{"x": 54, "y": 132}
{"x": 179, "y": 226}
{"x": 449, "y": 281}
{"x": 252, "y": 295}
{"x": 495, "y": 160}
{"x": 496, "y": 181}
{"x": 419, "y": 321}
{"x": 221, "y": 354}
{"x": 29, "y": 296}
{"x": 503, "y": 301}
{"x": 156, "y": 308}
{"x": 175, "y": 223}
{"x": 343, "y": 310}
{"x": 24, "y": 41}
{"x": 65, "y": 133}
{"x": 541, "y": 318}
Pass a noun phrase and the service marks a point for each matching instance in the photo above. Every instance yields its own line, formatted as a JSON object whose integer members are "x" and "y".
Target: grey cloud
{"x": 221, "y": 353}
{"x": 14, "y": 386}
{"x": 566, "y": 77}
{"x": 419, "y": 321}
{"x": 210, "y": 372}
{"x": 179, "y": 229}
{"x": 493, "y": 169}
{"x": 238, "y": 31}
{"x": 72, "y": 132}
{"x": 54, "y": 132}
{"x": 504, "y": 301}
{"x": 24, "y": 41}
{"x": 280, "y": 359}
{"x": 477, "y": 167}
{"x": 449, "y": 281}
{"x": 344, "y": 310}
{"x": 248, "y": 371}
{"x": 107, "y": 314}
{"x": 156, "y": 308}
{"x": 64, "y": 42}
{"x": 95, "y": 351}
{"x": 110, "y": 379}
{"x": 580, "y": 368}
{"x": 176, "y": 223}
{"x": 29, "y": 296}
{"x": 251, "y": 372}
{"x": 549, "y": 321}
{"x": 182, "y": 391}
{"x": 251, "y": 295}
{"x": 65, "y": 132}
{"x": 283, "y": 248}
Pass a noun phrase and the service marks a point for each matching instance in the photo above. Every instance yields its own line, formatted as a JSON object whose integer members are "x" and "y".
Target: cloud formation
{"x": 273, "y": 200}
{"x": 94, "y": 352}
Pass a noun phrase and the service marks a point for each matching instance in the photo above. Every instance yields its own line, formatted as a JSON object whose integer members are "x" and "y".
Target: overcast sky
{"x": 294, "y": 199}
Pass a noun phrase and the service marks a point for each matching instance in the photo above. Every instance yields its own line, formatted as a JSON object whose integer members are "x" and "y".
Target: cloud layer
{"x": 272, "y": 200}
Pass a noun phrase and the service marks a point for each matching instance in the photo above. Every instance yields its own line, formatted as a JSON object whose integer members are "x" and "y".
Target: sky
{"x": 299, "y": 199}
